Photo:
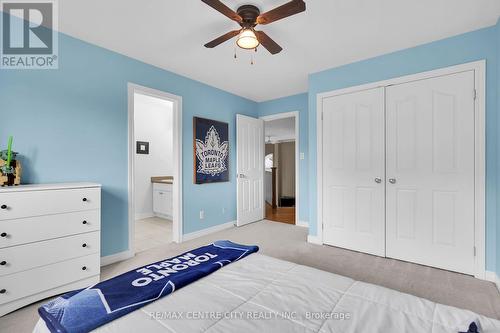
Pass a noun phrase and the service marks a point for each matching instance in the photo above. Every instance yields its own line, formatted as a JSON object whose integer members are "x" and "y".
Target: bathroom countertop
{"x": 163, "y": 180}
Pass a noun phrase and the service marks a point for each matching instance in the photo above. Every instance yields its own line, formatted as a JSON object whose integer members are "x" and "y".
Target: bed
{"x": 264, "y": 294}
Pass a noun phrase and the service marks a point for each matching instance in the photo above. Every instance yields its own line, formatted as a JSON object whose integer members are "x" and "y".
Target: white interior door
{"x": 250, "y": 169}
{"x": 354, "y": 171}
{"x": 430, "y": 172}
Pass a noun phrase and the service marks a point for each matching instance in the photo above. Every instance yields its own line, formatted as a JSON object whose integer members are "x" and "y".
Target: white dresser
{"x": 49, "y": 241}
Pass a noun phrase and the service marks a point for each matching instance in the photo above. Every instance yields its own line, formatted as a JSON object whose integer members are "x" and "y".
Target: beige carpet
{"x": 288, "y": 242}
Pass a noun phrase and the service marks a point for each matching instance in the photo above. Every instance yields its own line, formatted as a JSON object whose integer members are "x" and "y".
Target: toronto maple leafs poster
{"x": 211, "y": 151}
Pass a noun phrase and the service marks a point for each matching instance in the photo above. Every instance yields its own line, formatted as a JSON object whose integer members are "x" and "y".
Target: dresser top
{"x": 44, "y": 187}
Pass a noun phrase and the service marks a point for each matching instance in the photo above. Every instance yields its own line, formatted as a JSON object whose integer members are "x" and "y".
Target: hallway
{"x": 280, "y": 214}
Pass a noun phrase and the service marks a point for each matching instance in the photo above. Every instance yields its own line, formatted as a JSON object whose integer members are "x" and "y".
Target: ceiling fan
{"x": 248, "y": 17}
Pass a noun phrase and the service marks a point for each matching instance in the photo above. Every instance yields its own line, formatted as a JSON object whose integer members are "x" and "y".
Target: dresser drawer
{"x": 34, "y": 229}
{"x": 26, "y": 283}
{"x": 23, "y": 257}
{"x": 16, "y": 205}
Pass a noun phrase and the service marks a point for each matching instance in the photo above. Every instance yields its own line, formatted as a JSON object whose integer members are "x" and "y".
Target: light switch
{"x": 302, "y": 156}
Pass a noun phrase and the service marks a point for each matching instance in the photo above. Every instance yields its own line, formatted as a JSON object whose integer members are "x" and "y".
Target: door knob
{"x": 378, "y": 180}
{"x": 241, "y": 175}
{"x": 392, "y": 180}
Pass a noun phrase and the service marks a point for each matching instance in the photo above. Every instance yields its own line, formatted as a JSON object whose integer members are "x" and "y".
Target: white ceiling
{"x": 170, "y": 34}
{"x": 280, "y": 129}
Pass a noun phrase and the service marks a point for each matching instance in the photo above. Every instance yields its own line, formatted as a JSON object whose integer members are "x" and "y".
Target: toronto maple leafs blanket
{"x": 86, "y": 309}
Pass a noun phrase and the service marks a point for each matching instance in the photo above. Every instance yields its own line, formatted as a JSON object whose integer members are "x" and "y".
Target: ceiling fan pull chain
{"x": 235, "y": 56}
{"x": 251, "y": 59}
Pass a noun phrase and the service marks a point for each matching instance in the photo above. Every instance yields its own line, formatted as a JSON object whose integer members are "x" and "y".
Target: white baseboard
{"x": 493, "y": 277}
{"x": 207, "y": 231}
{"x": 141, "y": 216}
{"x": 314, "y": 240}
{"x": 163, "y": 216}
{"x": 304, "y": 224}
{"x": 120, "y": 256}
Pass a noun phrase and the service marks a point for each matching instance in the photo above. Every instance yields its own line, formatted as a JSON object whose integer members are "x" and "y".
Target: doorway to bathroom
{"x": 154, "y": 168}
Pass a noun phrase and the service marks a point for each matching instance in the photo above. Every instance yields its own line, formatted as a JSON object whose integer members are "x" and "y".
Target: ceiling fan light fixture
{"x": 247, "y": 39}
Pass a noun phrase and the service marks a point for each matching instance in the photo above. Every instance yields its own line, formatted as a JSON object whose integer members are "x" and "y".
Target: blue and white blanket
{"x": 86, "y": 309}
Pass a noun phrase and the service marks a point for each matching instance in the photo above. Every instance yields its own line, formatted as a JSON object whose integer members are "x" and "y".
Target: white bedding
{"x": 264, "y": 294}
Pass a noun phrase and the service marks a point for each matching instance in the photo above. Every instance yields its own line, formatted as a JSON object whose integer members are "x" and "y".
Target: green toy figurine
{"x": 10, "y": 167}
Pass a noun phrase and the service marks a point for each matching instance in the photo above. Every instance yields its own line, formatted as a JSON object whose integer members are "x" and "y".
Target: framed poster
{"x": 211, "y": 151}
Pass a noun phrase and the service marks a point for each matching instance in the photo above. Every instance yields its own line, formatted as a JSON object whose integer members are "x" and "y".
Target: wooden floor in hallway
{"x": 280, "y": 214}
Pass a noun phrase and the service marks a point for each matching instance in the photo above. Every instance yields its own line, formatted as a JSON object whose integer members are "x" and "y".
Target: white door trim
{"x": 177, "y": 150}
{"x": 294, "y": 114}
{"x": 479, "y": 68}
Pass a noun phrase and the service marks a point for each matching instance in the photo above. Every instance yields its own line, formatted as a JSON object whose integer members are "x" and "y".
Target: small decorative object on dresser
{"x": 10, "y": 167}
{"x": 49, "y": 241}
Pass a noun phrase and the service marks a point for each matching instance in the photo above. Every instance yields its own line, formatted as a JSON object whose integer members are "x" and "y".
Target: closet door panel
{"x": 430, "y": 172}
{"x": 353, "y": 171}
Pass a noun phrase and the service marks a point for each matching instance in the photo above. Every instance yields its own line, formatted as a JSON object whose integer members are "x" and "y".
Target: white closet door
{"x": 353, "y": 171}
{"x": 430, "y": 172}
{"x": 250, "y": 169}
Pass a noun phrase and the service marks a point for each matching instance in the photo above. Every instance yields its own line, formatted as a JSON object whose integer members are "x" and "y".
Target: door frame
{"x": 295, "y": 115}
{"x": 177, "y": 222}
{"x": 479, "y": 68}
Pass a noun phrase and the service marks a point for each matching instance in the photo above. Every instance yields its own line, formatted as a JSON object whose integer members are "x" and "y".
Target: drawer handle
{"x": 3, "y": 291}
{"x": 3, "y": 234}
{"x": 84, "y": 268}
{"x": 84, "y": 245}
{"x": 84, "y": 222}
{"x": 3, "y": 262}
{"x": 84, "y": 199}
{"x": 3, "y": 206}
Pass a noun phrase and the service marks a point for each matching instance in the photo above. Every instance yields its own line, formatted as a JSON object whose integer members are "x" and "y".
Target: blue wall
{"x": 288, "y": 104}
{"x": 70, "y": 124}
{"x": 476, "y": 45}
{"x": 495, "y": 256}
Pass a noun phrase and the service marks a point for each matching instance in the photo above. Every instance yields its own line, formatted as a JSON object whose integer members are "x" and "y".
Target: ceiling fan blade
{"x": 291, "y": 8}
{"x": 223, "y": 9}
{"x": 222, "y": 39}
{"x": 268, "y": 43}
